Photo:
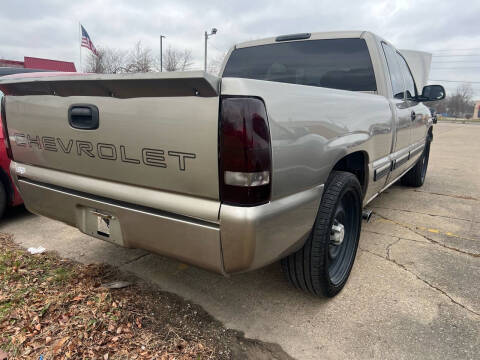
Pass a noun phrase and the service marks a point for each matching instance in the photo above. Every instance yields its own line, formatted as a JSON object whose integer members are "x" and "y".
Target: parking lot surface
{"x": 414, "y": 291}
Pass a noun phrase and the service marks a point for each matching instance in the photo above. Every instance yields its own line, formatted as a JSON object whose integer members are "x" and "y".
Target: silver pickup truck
{"x": 275, "y": 159}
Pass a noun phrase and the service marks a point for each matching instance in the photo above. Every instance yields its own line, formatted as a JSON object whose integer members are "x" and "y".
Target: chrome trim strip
{"x": 387, "y": 186}
{"x": 417, "y": 150}
{"x": 401, "y": 160}
{"x": 382, "y": 171}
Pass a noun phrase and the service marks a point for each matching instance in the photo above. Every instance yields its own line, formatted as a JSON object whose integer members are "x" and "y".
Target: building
{"x": 40, "y": 64}
{"x": 476, "y": 110}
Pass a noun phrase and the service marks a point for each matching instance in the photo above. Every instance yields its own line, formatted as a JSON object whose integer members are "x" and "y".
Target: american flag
{"x": 87, "y": 42}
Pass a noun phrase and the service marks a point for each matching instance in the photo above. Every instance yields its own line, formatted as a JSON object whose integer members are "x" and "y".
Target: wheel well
{"x": 357, "y": 164}
{"x": 6, "y": 184}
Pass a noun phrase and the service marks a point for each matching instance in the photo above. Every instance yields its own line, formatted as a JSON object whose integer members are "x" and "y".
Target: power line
{"x": 459, "y": 49}
{"x": 455, "y": 61}
{"x": 460, "y": 81}
{"x": 456, "y": 55}
{"x": 456, "y": 67}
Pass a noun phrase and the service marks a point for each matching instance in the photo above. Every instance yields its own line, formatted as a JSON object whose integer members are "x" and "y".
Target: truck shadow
{"x": 260, "y": 289}
{"x": 15, "y": 214}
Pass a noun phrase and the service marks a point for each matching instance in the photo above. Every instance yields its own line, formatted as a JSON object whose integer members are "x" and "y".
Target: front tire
{"x": 415, "y": 177}
{"x": 323, "y": 265}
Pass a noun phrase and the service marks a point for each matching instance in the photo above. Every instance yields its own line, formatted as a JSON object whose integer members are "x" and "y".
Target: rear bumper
{"x": 221, "y": 238}
{"x": 256, "y": 236}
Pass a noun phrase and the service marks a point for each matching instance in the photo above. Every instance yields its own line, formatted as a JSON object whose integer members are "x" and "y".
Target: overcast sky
{"x": 49, "y": 28}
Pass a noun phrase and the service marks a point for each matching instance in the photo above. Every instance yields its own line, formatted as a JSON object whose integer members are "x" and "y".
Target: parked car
{"x": 273, "y": 160}
{"x": 9, "y": 195}
{"x": 433, "y": 112}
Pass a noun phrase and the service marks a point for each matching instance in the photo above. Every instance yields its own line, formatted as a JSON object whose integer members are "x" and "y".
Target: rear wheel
{"x": 324, "y": 263}
{"x": 415, "y": 177}
{"x": 3, "y": 199}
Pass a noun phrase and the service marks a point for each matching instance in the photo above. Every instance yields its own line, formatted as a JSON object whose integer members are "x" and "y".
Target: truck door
{"x": 403, "y": 108}
{"x": 419, "y": 113}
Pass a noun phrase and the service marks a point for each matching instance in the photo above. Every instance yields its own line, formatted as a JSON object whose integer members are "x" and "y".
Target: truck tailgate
{"x": 156, "y": 131}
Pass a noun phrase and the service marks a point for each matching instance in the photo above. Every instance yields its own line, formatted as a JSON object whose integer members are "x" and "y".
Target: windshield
{"x": 333, "y": 63}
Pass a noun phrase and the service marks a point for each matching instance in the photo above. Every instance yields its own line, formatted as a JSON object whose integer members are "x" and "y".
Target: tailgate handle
{"x": 83, "y": 116}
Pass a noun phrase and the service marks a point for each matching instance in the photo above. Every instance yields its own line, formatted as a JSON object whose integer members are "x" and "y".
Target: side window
{"x": 396, "y": 77}
{"x": 409, "y": 82}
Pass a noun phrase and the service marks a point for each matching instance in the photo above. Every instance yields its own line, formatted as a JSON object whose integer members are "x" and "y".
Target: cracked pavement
{"x": 414, "y": 291}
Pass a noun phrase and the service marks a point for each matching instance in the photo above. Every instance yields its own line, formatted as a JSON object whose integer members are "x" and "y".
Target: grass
{"x": 460, "y": 120}
{"x": 59, "y": 309}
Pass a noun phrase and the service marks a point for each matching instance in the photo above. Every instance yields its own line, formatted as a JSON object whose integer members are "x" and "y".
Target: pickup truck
{"x": 274, "y": 159}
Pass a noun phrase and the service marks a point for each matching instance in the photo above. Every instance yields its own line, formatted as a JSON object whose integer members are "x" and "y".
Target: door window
{"x": 410, "y": 88}
{"x": 396, "y": 77}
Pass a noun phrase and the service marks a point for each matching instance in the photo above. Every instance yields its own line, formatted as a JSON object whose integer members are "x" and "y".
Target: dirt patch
{"x": 59, "y": 309}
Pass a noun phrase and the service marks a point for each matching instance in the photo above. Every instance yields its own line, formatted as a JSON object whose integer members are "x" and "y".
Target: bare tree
{"x": 114, "y": 61}
{"x": 465, "y": 92}
{"x": 215, "y": 64}
{"x": 95, "y": 63}
{"x": 177, "y": 60}
{"x": 107, "y": 61}
{"x": 140, "y": 59}
{"x": 459, "y": 104}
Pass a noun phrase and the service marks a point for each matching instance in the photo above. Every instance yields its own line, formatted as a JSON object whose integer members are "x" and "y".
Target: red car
{"x": 9, "y": 195}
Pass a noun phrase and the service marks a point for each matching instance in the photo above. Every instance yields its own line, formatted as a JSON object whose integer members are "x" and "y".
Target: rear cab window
{"x": 343, "y": 64}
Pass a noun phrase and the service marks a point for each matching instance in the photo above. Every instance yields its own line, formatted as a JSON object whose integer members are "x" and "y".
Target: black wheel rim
{"x": 340, "y": 256}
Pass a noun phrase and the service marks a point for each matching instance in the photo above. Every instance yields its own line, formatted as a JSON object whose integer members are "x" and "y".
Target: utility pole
{"x": 161, "y": 52}
{"x": 214, "y": 31}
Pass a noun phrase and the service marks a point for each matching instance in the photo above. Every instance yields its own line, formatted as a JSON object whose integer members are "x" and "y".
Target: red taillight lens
{"x": 6, "y": 139}
{"x": 245, "y": 169}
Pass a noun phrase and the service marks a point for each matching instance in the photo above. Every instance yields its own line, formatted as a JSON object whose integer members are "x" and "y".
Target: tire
{"x": 3, "y": 199}
{"x": 415, "y": 177}
{"x": 322, "y": 267}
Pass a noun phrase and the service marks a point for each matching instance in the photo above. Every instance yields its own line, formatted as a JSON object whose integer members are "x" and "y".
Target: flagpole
{"x": 80, "y": 48}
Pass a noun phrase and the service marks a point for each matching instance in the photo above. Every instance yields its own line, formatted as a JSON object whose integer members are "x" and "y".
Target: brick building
{"x": 40, "y": 64}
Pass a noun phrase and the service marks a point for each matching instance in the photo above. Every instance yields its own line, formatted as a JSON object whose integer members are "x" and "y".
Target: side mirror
{"x": 432, "y": 93}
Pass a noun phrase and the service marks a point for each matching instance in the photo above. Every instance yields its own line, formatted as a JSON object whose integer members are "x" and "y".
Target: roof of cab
{"x": 314, "y": 36}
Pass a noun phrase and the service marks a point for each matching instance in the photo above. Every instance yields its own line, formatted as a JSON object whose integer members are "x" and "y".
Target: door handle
{"x": 83, "y": 116}
{"x": 413, "y": 116}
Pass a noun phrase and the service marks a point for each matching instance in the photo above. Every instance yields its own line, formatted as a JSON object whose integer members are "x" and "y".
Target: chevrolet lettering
{"x": 147, "y": 156}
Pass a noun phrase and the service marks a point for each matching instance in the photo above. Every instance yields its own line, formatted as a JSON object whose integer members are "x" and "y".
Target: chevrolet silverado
{"x": 273, "y": 159}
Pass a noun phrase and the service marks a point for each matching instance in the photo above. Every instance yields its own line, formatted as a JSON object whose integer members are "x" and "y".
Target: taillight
{"x": 6, "y": 139}
{"x": 245, "y": 165}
